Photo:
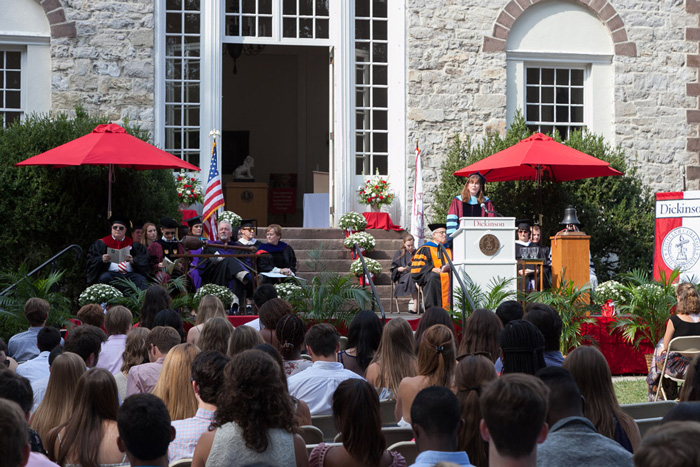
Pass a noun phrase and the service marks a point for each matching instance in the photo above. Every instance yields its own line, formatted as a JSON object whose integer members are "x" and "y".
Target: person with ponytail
{"x": 290, "y": 337}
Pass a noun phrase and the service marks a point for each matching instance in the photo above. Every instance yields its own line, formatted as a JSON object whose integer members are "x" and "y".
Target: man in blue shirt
{"x": 22, "y": 346}
{"x": 38, "y": 367}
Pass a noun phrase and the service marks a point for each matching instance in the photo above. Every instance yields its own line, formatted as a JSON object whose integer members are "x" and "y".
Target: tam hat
{"x": 119, "y": 219}
{"x": 482, "y": 179}
{"x": 249, "y": 223}
{"x": 434, "y": 227}
{"x": 194, "y": 221}
{"x": 138, "y": 225}
{"x": 168, "y": 223}
{"x": 524, "y": 224}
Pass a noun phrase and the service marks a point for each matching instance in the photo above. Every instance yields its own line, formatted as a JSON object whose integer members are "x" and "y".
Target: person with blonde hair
{"x": 685, "y": 322}
{"x": 592, "y": 374}
{"x": 210, "y": 306}
{"x": 89, "y": 437}
{"x": 436, "y": 366}
{"x": 57, "y": 404}
{"x": 135, "y": 353}
{"x": 394, "y": 359}
{"x": 215, "y": 335}
{"x": 472, "y": 373}
{"x": 174, "y": 385}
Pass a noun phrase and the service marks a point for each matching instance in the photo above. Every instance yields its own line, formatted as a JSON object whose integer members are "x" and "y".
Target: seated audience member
{"x": 91, "y": 314}
{"x": 690, "y": 391}
{"x": 137, "y": 232}
{"x": 17, "y": 389}
{"x": 207, "y": 378}
{"x": 156, "y": 299}
{"x": 522, "y": 348}
{"x": 432, "y": 316}
{"x": 254, "y": 419}
{"x": 394, "y": 360}
{"x": 195, "y": 229}
{"x": 262, "y": 294}
{"x": 282, "y": 258}
{"x": 150, "y": 234}
{"x": 364, "y": 334}
{"x": 316, "y": 385}
{"x": 162, "y": 250}
{"x": 144, "y": 430}
{"x": 56, "y": 406}
{"x": 135, "y": 267}
{"x": 357, "y": 415}
{"x": 216, "y": 335}
{"x": 592, "y": 375}
{"x": 572, "y": 439}
{"x": 508, "y": 311}
{"x": 89, "y": 437}
{"x": 210, "y": 306}
{"x": 670, "y": 445}
{"x": 436, "y": 367}
{"x": 543, "y": 252}
{"x": 5, "y": 360}
{"x": 270, "y": 313}
{"x": 170, "y": 318}
{"x": 14, "y": 442}
{"x": 472, "y": 373}
{"x": 135, "y": 353}
{"x": 143, "y": 378}
{"x": 548, "y": 321}
{"x": 429, "y": 269}
{"x": 683, "y": 412}
{"x": 174, "y": 386}
{"x": 22, "y": 346}
{"x": 290, "y": 336}
{"x": 436, "y": 423}
{"x": 514, "y": 410}
{"x": 243, "y": 338}
{"x": 118, "y": 321}
{"x": 523, "y": 240}
{"x": 38, "y": 367}
{"x": 480, "y": 336}
{"x": 401, "y": 272}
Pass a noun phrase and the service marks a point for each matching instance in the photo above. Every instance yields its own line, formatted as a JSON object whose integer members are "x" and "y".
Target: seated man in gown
{"x": 100, "y": 269}
{"x": 430, "y": 269}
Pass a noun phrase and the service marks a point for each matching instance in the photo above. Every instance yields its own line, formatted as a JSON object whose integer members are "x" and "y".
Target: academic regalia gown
{"x": 436, "y": 287}
{"x": 95, "y": 267}
{"x": 405, "y": 285}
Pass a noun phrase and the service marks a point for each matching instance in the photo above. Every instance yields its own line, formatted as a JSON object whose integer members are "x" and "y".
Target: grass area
{"x": 630, "y": 390}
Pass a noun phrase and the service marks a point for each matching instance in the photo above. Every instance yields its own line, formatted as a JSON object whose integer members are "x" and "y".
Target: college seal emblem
{"x": 489, "y": 244}
{"x": 681, "y": 248}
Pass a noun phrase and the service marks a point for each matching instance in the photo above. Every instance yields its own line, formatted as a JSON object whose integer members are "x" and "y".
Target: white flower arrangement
{"x": 353, "y": 221}
{"x": 189, "y": 188}
{"x": 286, "y": 289}
{"x": 609, "y": 290}
{"x": 375, "y": 191}
{"x": 230, "y": 217}
{"x": 99, "y": 294}
{"x": 223, "y": 293}
{"x": 373, "y": 267}
{"x": 363, "y": 239}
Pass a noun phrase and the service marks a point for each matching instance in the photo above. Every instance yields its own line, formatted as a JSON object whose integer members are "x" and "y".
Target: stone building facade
{"x": 460, "y": 65}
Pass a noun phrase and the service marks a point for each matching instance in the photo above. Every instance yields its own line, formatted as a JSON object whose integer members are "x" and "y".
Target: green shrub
{"x": 617, "y": 212}
{"x": 46, "y": 209}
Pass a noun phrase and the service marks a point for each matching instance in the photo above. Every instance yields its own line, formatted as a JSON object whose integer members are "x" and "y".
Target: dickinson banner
{"x": 677, "y": 243}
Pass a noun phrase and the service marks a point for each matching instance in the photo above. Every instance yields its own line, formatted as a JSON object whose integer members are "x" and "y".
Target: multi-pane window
{"x": 371, "y": 87}
{"x": 305, "y": 19}
{"x": 10, "y": 86}
{"x": 300, "y": 19}
{"x": 182, "y": 79}
{"x": 251, "y": 18}
{"x": 554, "y": 100}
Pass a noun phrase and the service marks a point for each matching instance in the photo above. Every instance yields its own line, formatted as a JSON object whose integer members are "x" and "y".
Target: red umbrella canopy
{"x": 535, "y": 155}
{"x": 109, "y": 144}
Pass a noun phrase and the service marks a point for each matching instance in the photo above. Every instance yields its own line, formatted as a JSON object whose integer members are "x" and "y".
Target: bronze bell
{"x": 570, "y": 217}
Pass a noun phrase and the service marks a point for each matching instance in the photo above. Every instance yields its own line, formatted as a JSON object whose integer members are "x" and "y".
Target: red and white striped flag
{"x": 213, "y": 197}
{"x": 417, "y": 225}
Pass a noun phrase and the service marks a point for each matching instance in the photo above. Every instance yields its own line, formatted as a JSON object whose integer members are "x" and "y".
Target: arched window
{"x": 559, "y": 67}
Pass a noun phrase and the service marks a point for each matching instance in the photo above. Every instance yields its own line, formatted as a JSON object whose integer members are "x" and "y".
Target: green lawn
{"x": 630, "y": 390}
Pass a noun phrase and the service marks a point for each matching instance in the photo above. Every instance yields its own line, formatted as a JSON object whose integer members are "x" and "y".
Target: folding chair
{"x": 311, "y": 434}
{"x": 325, "y": 423}
{"x": 407, "y": 449}
{"x": 387, "y": 410}
{"x": 182, "y": 463}
{"x": 394, "y": 300}
{"x": 686, "y": 346}
{"x": 648, "y": 409}
{"x": 394, "y": 434}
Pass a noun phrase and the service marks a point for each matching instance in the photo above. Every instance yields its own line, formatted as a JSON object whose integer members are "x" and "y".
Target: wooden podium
{"x": 571, "y": 258}
{"x": 484, "y": 249}
{"x": 248, "y": 200}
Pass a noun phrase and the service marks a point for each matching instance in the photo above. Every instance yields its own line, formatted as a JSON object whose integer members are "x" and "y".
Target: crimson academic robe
{"x": 436, "y": 287}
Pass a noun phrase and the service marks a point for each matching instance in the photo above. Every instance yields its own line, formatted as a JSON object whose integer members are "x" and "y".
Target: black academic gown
{"x": 405, "y": 285}
{"x": 95, "y": 267}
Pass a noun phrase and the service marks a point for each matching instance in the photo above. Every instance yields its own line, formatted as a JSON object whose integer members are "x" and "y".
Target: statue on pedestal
{"x": 243, "y": 172}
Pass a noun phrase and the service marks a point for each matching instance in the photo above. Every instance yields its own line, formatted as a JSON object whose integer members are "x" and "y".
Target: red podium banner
{"x": 677, "y": 240}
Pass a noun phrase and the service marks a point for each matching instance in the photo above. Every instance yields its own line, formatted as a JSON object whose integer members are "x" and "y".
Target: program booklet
{"x": 118, "y": 256}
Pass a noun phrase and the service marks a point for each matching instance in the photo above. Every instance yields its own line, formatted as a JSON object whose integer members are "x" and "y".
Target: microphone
{"x": 483, "y": 206}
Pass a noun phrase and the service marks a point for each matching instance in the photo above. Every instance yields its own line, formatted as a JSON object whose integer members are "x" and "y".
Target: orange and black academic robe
{"x": 436, "y": 287}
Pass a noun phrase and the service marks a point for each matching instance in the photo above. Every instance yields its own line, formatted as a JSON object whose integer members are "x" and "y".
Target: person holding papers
{"x": 282, "y": 259}
{"x": 116, "y": 255}
{"x": 162, "y": 250}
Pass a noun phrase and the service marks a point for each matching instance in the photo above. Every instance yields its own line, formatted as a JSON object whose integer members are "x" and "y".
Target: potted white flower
{"x": 364, "y": 240}
{"x": 230, "y": 217}
{"x": 100, "y": 294}
{"x": 352, "y": 222}
{"x": 373, "y": 267}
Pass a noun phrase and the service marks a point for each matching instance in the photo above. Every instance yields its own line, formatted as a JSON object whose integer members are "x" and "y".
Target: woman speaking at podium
{"x": 470, "y": 203}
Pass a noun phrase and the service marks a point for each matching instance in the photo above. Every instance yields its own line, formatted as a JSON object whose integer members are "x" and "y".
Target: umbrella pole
{"x": 539, "y": 191}
{"x": 109, "y": 193}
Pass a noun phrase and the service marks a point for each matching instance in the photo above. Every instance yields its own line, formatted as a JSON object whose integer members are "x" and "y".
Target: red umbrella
{"x": 109, "y": 145}
{"x": 532, "y": 157}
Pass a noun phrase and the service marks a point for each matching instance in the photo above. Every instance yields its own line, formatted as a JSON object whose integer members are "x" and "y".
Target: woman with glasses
{"x": 282, "y": 259}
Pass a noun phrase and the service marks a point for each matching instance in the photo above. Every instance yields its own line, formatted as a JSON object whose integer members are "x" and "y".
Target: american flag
{"x": 213, "y": 197}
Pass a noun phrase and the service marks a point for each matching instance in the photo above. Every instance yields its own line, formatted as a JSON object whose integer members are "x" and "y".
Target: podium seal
{"x": 489, "y": 245}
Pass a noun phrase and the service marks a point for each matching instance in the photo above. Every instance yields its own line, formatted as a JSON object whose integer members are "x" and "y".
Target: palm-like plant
{"x": 572, "y": 304}
{"x": 648, "y": 307}
{"x": 498, "y": 291}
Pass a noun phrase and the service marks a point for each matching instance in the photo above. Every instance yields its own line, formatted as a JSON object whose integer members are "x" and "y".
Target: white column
{"x": 211, "y": 82}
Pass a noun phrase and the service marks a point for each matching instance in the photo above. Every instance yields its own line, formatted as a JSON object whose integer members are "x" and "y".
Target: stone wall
{"x": 457, "y": 80}
{"x": 107, "y": 66}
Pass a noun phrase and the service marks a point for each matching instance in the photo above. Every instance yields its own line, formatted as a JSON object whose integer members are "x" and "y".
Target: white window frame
{"x": 4, "y": 47}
